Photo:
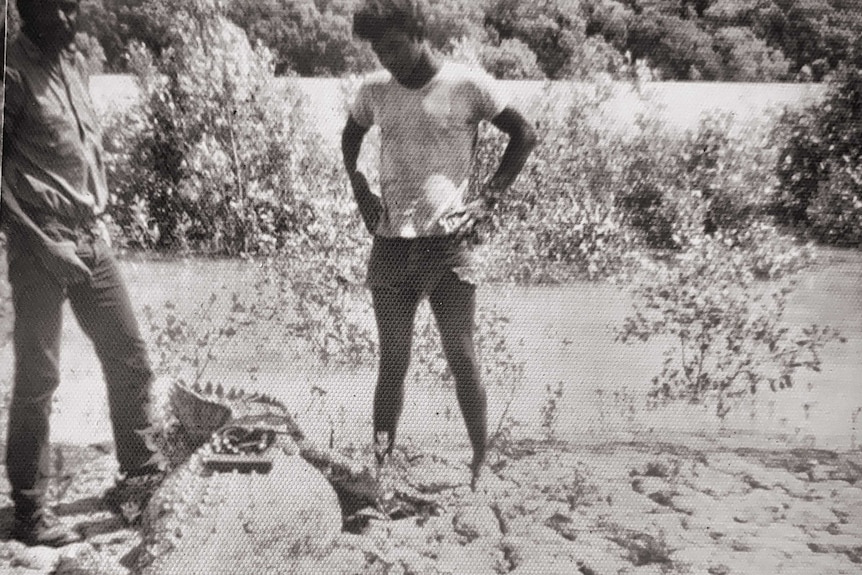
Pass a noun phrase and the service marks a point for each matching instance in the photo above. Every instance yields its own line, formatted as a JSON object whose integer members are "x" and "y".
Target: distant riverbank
{"x": 679, "y": 105}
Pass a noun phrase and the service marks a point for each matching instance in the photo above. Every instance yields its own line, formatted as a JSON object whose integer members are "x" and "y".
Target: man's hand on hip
{"x": 463, "y": 221}
{"x": 61, "y": 261}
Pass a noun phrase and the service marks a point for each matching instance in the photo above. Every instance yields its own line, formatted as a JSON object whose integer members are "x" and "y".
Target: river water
{"x": 563, "y": 335}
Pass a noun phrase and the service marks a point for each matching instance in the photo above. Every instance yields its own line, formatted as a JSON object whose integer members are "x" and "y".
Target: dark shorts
{"x": 419, "y": 263}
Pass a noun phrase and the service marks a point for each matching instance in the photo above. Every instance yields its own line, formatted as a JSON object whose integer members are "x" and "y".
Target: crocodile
{"x": 246, "y": 492}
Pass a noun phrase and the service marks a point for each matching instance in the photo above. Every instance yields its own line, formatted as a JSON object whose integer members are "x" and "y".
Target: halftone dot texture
{"x": 582, "y": 477}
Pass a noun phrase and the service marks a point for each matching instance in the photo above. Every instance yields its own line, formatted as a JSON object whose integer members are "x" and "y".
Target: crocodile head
{"x": 199, "y": 412}
{"x": 202, "y": 411}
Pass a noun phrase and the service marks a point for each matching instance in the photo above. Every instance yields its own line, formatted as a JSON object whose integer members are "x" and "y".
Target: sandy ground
{"x": 682, "y": 502}
{"x": 546, "y": 508}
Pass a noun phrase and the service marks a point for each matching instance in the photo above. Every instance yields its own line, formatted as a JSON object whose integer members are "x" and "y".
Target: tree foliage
{"x": 553, "y": 29}
{"x": 308, "y": 37}
{"x": 733, "y": 40}
{"x": 117, "y": 24}
{"x": 678, "y": 48}
{"x": 819, "y": 165}
{"x": 222, "y": 157}
{"x": 746, "y": 58}
{"x": 449, "y": 21}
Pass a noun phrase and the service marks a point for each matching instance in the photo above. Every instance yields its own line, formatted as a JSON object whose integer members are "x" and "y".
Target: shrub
{"x": 800, "y": 167}
{"x": 652, "y": 193}
{"x": 591, "y": 196}
{"x": 835, "y": 214}
{"x": 724, "y": 331}
{"x": 732, "y": 169}
{"x": 818, "y": 165}
{"x": 225, "y": 158}
{"x": 187, "y": 346}
{"x": 317, "y": 277}
{"x": 559, "y": 219}
{"x": 716, "y": 178}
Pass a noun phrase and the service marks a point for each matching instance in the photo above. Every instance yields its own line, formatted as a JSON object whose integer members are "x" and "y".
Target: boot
{"x": 131, "y": 492}
{"x": 42, "y": 527}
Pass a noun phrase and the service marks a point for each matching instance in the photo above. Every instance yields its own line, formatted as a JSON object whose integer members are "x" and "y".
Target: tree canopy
{"x": 733, "y": 40}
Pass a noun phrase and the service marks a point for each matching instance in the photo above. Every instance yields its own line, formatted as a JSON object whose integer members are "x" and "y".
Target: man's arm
{"x": 59, "y": 258}
{"x": 522, "y": 140}
{"x": 369, "y": 205}
{"x": 13, "y": 105}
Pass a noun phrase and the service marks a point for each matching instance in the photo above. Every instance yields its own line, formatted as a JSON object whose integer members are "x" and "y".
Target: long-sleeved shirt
{"x": 52, "y": 152}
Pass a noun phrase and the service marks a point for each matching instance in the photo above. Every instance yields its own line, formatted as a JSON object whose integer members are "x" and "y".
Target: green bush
{"x": 590, "y": 197}
{"x": 835, "y": 213}
{"x": 724, "y": 331}
{"x": 314, "y": 287}
{"x": 219, "y": 157}
{"x": 559, "y": 219}
{"x": 818, "y": 169}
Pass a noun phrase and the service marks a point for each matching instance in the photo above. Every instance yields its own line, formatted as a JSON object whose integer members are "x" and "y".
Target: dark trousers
{"x": 104, "y": 312}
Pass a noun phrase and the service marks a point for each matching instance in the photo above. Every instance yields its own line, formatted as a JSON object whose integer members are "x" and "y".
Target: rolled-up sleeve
{"x": 490, "y": 99}
{"x": 362, "y": 110}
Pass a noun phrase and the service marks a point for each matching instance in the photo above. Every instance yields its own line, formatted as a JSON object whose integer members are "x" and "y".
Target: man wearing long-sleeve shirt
{"x": 54, "y": 191}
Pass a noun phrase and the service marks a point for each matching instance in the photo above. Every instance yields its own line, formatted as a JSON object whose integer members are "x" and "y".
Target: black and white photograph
{"x": 427, "y": 287}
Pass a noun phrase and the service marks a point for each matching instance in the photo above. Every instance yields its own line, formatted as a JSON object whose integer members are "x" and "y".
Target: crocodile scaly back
{"x": 246, "y": 492}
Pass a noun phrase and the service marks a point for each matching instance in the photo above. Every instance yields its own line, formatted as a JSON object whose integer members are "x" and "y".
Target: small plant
{"x": 312, "y": 288}
{"x": 319, "y": 408}
{"x": 187, "y": 347}
{"x": 551, "y": 408}
{"x": 327, "y": 312}
{"x": 502, "y": 371}
{"x": 725, "y": 331}
{"x": 643, "y": 548}
{"x": 575, "y": 491}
